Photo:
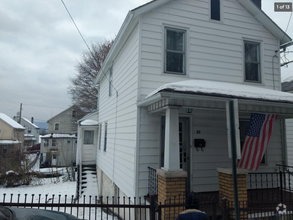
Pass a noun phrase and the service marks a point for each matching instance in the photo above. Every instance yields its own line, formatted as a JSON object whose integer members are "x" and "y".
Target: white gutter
{"x": 241, "y": 100}
{"x": 266, "y": 21}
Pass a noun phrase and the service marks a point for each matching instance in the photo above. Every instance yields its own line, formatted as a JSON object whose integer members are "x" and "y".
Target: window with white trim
{"x": 54, "y": 142}
{"x": 216, "y": 10}
{"x": 111, "y": 81}
{"x": 56, "y": 126}
{"x": 252, "y": 63}
{"x": 175, "y": 51}
{"x": 100, "y": 135}
{"x": 105, "y": 137}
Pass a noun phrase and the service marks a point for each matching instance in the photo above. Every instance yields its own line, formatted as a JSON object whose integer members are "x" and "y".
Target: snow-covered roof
{"x": 58, "y": 136}
{"x": 9, "y": 142}
{"x": 29, "y": 135}
{"x": 32, "y": 124}
{"x": 89, "y": 122}
{"x": 213, "y": 88}
{"x": 10, "y": 121}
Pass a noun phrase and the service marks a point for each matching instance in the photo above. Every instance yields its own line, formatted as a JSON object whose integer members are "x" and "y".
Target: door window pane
{"x": 88, "y": 137}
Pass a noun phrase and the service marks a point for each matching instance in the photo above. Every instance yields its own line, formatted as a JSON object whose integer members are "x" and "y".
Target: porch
{"x": 265, "y": 192}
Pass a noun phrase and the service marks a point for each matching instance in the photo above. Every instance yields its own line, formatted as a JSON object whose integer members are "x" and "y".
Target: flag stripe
{"x": 256, "y": 140}
{"x": 259, "y": 149}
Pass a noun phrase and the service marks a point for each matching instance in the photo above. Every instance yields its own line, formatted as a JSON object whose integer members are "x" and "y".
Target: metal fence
{"x": 104, "y": 208}
{"x": 271, "y": 187}
{"x": 269, "y": 211}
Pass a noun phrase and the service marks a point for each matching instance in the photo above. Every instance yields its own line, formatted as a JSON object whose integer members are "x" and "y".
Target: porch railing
{"x": 269, "y": 211}
{"x": 271, "y": 187}
{"x": 152, "y": 182}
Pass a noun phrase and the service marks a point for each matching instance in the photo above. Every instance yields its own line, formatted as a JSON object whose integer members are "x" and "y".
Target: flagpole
{"x": 234, "y": 157}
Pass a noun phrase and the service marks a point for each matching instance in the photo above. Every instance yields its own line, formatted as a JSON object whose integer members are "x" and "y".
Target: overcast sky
{"x": 40, "y": 47}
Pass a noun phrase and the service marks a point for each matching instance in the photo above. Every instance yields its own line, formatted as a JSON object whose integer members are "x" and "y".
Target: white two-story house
{"x": 164, "y": 88}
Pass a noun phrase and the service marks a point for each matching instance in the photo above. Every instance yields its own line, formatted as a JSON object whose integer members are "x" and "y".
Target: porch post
{"x": 171, "y": 159}
{"x": 171, "y": 179}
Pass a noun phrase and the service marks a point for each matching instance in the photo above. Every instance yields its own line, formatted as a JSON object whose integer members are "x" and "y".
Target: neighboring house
{"x": 164, "y": 86}
{"x": 66, "y": 121}
{"x": 11, "y": 142}
{"x": 58, "y": 150}
{"x": 32, "y": 131}
{"x": 87, "y": 141}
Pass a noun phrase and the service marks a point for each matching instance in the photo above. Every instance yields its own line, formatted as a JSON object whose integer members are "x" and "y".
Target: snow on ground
{"x": 47, "y": 187}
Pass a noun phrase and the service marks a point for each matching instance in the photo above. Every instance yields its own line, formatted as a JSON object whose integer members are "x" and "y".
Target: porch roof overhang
{"x": 214, "y": 95}
{"x": 89, "y": 122}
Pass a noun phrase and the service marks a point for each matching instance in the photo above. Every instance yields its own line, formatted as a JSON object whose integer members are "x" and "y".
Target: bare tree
{"x": 83, "y": 91}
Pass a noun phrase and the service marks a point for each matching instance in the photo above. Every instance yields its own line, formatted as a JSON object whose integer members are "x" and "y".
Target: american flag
{"x": 256, "y": 140}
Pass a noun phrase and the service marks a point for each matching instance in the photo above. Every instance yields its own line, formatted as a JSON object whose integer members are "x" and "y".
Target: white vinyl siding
{"x": 120, "y": 113}
{"x": 214, "y": 49}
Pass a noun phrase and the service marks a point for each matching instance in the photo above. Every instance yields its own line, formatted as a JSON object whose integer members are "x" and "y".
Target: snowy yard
{"x": 49, "y": 188}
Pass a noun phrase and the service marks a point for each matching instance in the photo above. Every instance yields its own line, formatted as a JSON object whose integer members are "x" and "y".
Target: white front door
{"x": 54, "y": 159}
{"x": 184, "y": 146}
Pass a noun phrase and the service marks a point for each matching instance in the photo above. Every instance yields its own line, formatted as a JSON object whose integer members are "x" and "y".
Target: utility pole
{"x": 19, "y": 120}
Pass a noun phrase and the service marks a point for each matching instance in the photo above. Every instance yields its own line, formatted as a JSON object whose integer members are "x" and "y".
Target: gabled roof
{"x": 28, "y": 121}
{"x": 131, "y": 21}
{"x": 62, "y": 112}
{"x": 10, "y": 121}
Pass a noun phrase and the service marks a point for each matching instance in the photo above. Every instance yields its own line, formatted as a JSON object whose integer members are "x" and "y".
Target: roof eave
{"x": 130, "y": 21}
{"x": 266, "y": 21}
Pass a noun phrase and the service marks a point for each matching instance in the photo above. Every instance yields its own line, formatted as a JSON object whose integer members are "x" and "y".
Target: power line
{"x": 76, "y": 26}
{"x": 87, "y": 44}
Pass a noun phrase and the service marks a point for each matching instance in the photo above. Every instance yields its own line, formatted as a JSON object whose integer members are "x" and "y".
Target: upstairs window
{"x": 56, "y": 127}
{"x": 175, "y": 51}
{"x": 252, "y": 61}
{"x": 215, "y": 10}
{"x": 110, "y": 81}
{"x": 54, "y": 142}
{"x": 73, "y": 114}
